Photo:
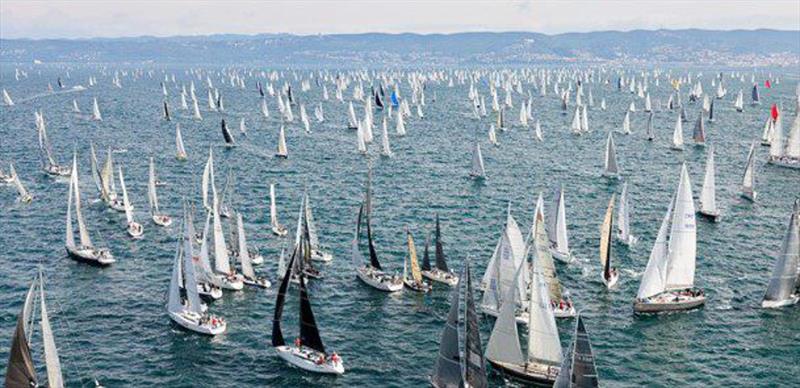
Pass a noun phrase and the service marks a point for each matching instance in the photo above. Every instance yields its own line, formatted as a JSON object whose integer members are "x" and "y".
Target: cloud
{"x": 113, "y": 18}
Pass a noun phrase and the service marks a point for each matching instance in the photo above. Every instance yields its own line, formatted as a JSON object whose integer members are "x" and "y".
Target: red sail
{"x": 767, "y": 84}
{"x": 774, "y": 112}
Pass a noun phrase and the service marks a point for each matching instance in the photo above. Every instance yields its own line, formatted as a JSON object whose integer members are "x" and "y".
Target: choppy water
{"x": 111, "y": 323}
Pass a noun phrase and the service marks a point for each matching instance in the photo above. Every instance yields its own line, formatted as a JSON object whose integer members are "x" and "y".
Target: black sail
{"x": 475, "y": 365}
{"x": 226, "y": 133}
{"x": 166, "y": 111}
{"x": 21, "y": 372}
{"x": 447, "y": 370}
{"x": 711, "y": 111}
{"x": 441, "y": 263}
{"x": 378, "y": 101}
{"x": 309, "y": 334}
{"x": 426, "y": 260}
{"x": 577, "y": 368}
{"x": 373, "y": 254}
{"x": 755, "y": 93}
{"x": 277, "y": 334}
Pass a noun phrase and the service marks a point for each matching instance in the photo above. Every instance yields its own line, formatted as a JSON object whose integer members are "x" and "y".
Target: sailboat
{"x": 303, "y": 267}
{"x": 158, "y": 217}
{"x": 85, "y": 252}
{"x": 708, "y": 200}
{"x": 749, "y": 178}
{"x": 180, "y": 151}
{"x": 134, "y": 228}
{"x": 166, "y": 111}
{"x": 440, "y": 273}
{"x": 478, "y": 171}
{"x": 75, "y": 108}
{"x": 668, "y": 280}
{"x": 109, "y": 190}
{"x": 624, "y": 219}
{"x": 277, "y": 228}
{"x": 352, "y": 122}
{"x": 756, "y": 100}
{"x": 96, "y": 111}
{"x": 677, "y": 135}
{"x": 452, "y": 370}
{"x": 503, "y": 351}
{"x": 317, "y": 251}
{"x": 49, "y": 164}
{"x": 577, "y": 367}
{"x": 626, "y": 124}
{"x": 401, "y": 126}
{"x": 308, "y": 352}
{"x": 371, "y": 272}
{"x": 785, "y": 152}
{"x": 24, "y": 196}
{"x": 249, "y": 276}
{"x": 610, "y": 274}
{"x": 385, "y": 149}
{"x": 21, "y": 371}
{"x": 208, "y": 283}
{"x": 282, "y": 152}
{"x": 699, "y": 133}
{"x": 183, "y": 301}
{"x": 784, "y": 285}
{"x": 499, "y": 278}
{"x": 738, "y": 104}
{"x": 226, "y": 135}
{"x": 559, "y": 243}
{"x": 414, "y": 282}
{"x": 7, "y": 99}
{"x": 610, "y": 167}
{"x": 538, "y": 245}
{"x": 493, "y": 136}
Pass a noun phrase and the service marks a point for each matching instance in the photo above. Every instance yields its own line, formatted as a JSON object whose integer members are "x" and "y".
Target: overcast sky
{"x": 114, "y": 18}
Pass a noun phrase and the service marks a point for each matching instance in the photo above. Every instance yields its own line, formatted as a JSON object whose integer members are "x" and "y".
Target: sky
{"x": 118, "y": 18}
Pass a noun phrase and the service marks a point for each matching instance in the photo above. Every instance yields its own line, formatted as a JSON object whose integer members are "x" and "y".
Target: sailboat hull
{"x": 208, "y": 292}
{"x": 711, "y": 216}
{"x": 611, "y": 281}
{"x": 90, "y": 256}
{"x": 192, "y": 323}
{"x": 785, "y": 162}
{"x": 257, "y": 282}
{"x": 423, "y": 287}
{"x": 562, "y": 256}
{"x": 771, "y": 304}
{"x": 307, "y": 360}
{"x": 162, "y": 220}
{"x": 318, "y": 255}
{"x": 668, "y": 302}
{"x": 379, "y": 280}
{"x": 440, "y": 276}
{"x": 532, "y": 373}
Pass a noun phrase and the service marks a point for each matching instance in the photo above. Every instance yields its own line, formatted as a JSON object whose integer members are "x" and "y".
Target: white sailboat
{"x": 624, "y": 234}
{"x": 24, "y": 195}
{"x": 85, "y": 252}
{"x": 708, "y": 200}
{"x": 677, "y": 135}
{"x": 180, "y": 151}
{"x": 318, "y": 253}
{"x": 7, "y": 99}
{"x": 749, "y": 178}
{"x": 385, "y": 149}
{"x": 559, "y": 243}
{"x": 668, "y": 281}
{"x": 499, "y": 278}
{"x": 610, "y": 167}
{"x": 249, "y": 276}
{"x": 401, "y": 126}
{"x": 134, "y": 228}
{"x": 493, "y": 136}
{"x": 282, "y": 152}
{"x": 738, "y": 104}
{"x": 478, "y": 171}
{"x": 786, "y": 153}
{"x": 188, "y": 311}
{"x": 158, "y": 218}
{"x": 277, "y": 228}
{"x": 626, "y": 124}
{"x": 610, "y": 274}
{"x": 96, "y": 111}
{"x": 503, "y": 351}
{"x": 782, "y": 289}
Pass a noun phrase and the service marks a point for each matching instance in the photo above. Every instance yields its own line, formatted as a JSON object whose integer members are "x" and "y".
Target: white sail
{"x": 503, "y": 345}
{"x": 624, "y": 214}
{"x": 610, "y": 164}
{"x": 75, "y": 108}
{"x": 196, "y": 110}
{"x": 52, "y": 363}
{"x": 749, "y": 179}
{"x": 793, "y": 141}
{"x": 401, "y": 127}
{"x": 477, "y": 162}
{"x": 708, "y": 201}
{"x": 126, "y": 202}
{"x": 222, "y": 262}
{"x": 560, "y": 242}
{"x": 21, "y": 190}
{"x": 544, "y": 344}
{"x": 682, "y": 247}
{"x": 386, "y": 151}
{"x": 282, "y": 150}
{"x": 96, "y": 111}
{"x": 7, "y": 98}
{"x": 776, "y": 141}
{"x": 207, "y": 179}
{"x": 244, "y": 255}
{"x": 152, "y": 197}
{"x": 654, "y": 277}
{"x": 86, "y": 241}
{"x": 626, "y": 123}
{"x": 677, "y": 134}
{"x": 273, "y": 209}
{"x": 180, "y": 150}
{"x": 174, "y": 304}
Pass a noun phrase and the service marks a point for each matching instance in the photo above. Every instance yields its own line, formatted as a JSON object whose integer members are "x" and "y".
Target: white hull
{"x": 191, "y": 322}
{"x": 279, "y": 230}
{"x": 226, "y": 283}
{"x": 258, "y": 282}
{"x": 611, "y": 281}
{"x": 563, "y": 256}
{"x": 785, "y": 162}
{"x": 771, "y": 304}
{"x": 631, "y": 240}
{"x": 318, "y": 255}
{"x": 91, "y": 255}
{"x": 162, "y": 220}
{"x": 750, "y": 196}
{"x": 379, "y": 280}
{"x": 208, "y": 291}
{"x": 424, "y": 287}
{"x": 308, "y": 360}
{"x": 135, "y": 230}
{"x": 668, "y": 301}
{"x": 440, "y": 276}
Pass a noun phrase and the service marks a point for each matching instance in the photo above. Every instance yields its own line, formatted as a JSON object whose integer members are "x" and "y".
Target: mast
{"x": 708, "y": 202}
{"x": 447, "y": 370}
{"x": 611, "y": 167}
{"x": 475, "y": 368}
{"x": 441, "y": 262}
{"x": 605, "y": 239}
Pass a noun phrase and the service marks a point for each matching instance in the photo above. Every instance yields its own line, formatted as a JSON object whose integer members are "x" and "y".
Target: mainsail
{"x": 784, "y": 280}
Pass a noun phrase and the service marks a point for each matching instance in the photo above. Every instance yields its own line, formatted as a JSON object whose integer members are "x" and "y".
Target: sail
{"x": 18, "y": 183}
{"x": 226, "y": 133}
{"x": 69, "y": 238}
{"x": 426, "y": 260}
{"x": 96, "y": 110}
{"x": 221, "y": 261}
{"x": 244, "y": 255}
{"x": 401, "y": 126}
{"x": 682, "y": 246}
{"x": 708, "y": 201}
{"x": 605, "y": 239}
{"x": 699, "y": 133}
{"x": 180, "y": 152}
{"x": 277, "y": 334}
{"x": 125, "y": 201}
{"x": 309, "y": 333}
{"x": 311, "y": 226}
{"x": 373, "y": 254}
{"x": 174, "y": 304}
{"x": 151, "y": 188}
{"x": 650, "y": 132}
{"x": 793, "y": 140}
{"x": 412, "y": 254}
{"x": 503, "y": 345}
{"x": 386, "y": 150}
{"x": 784, "y": 280}
{"x": 475, "y": 367}
{"x": 749, "y": 179}
{"x": 447, "y": 370}
{"x": 558, "y": 231}
{"x": 52, "y": 363}
{"x": 86, "y": 241}
{"x": 441, "y": 262}
{"x": 654, "y": 277}
{"x": 355, "y": 254}
{"x": 776, "y": 140}
{"x": 578, "y": 368}
{"x": 626, "y": 123}
{"x": 98, "y": 180}
{"x": 477, "y": 162}
{"x": 544, "y": 258}
{"x": 611, "y": 167}
{"x": 273, "y": 211}
{"x": 677, "y": 135}
{"x": 282, "y": 150}
{"x": 193, "y": 302}
{"x": 624, "y": 214}
{"x": 544, "y": 346}
{"x": 21, "y": 372}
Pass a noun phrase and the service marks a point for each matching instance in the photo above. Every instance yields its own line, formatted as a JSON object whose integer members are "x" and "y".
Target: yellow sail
{"x": 605, "y": 234}
{"x": 412, "y": 253}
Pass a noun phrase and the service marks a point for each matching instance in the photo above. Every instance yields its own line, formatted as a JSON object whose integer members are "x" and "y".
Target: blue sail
{"x": 395, "y": 103}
